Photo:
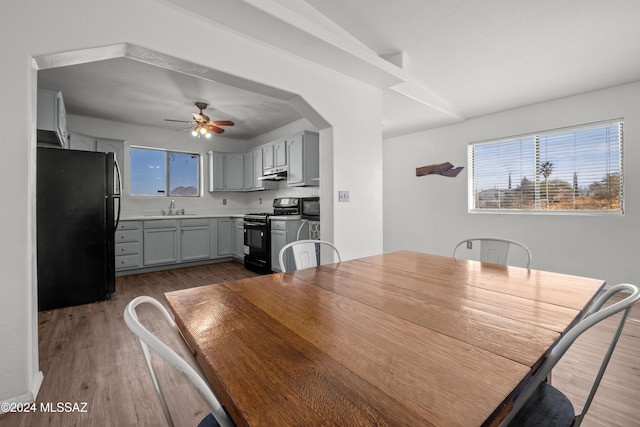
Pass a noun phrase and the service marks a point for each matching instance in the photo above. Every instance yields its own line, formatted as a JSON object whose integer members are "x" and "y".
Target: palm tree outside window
{"x": 574, "y": 170}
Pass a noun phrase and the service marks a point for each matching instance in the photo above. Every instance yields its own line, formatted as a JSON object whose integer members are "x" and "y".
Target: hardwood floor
{"x": 616, "y": 401}
{"x": 88, "y": 355}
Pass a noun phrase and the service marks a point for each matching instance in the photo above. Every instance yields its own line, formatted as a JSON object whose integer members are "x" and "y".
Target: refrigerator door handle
{"x": 115, "y": 228}
{"x": 117, "y": 193}
{"x": 119, "y": 175}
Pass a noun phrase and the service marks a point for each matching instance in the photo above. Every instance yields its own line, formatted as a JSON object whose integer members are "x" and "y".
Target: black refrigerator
{"x": 78, "y": 205}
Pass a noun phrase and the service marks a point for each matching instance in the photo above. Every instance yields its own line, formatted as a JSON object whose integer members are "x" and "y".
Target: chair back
{"x": 149, "y": 341}
{"x": 595, "y": 314}
{"x": 306, "y": 253}
{"x": 495, "y": 250}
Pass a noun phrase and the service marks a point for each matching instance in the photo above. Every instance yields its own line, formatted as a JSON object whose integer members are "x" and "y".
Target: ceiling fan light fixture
{"x": 202, "y": 124}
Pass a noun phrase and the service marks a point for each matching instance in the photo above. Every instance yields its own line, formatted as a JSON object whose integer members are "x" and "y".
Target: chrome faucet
{"x": 172, "y": 206}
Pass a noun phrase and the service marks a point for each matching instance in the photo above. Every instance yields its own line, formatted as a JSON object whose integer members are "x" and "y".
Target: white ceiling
{"x": 448, "y": 60}
{"x": 126, "y": 90}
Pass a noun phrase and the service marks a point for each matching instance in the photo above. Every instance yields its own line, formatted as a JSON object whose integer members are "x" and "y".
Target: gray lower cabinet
{"x": 282, "y": 232}
{"x": 161, "y": 242}
{"x": 128, "y": 242}
{"x": 238, "y": 252}
{"x": 226, "y": 234}
{"x": 195, "y": 243}
{"x": 213, "y": 238}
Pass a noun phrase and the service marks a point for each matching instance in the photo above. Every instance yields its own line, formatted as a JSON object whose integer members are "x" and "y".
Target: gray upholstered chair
{"x": 494, "y": 250}
{"x": 540, "y": 403}
{"x": 218, "y": 416}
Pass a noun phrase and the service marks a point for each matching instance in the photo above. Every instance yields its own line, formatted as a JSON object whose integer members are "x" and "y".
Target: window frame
{"x": 537, "y": 178}
{"x": 167, "y": 156}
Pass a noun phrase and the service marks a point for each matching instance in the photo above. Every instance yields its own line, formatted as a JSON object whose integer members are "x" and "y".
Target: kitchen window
{"x": 157, "y": 172}
{"x": 573, "y": 170}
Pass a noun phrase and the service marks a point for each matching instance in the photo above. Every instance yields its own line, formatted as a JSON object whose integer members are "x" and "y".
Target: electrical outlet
{"x": 469, "y": 245}
{"x": 260, "y": 201}
{"x": 224, "y": 201}
{"x": 343, "y": 196}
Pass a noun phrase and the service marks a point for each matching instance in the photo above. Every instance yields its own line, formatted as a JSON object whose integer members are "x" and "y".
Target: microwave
{"x": 310, "y": 208}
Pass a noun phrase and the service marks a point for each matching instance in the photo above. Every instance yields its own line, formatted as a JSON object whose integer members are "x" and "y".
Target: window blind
{"x": 576, "y": 169}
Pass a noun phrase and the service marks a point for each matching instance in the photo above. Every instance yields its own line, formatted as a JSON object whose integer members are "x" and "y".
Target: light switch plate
{"x": 343, "y": 196}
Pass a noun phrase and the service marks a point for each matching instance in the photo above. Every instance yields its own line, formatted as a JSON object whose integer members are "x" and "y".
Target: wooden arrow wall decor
{"x": 444, "y": 169}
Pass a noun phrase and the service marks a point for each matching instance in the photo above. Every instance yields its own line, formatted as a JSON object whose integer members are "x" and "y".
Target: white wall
{"x": 354, "y": 139}
{"x": 430, "y": 213}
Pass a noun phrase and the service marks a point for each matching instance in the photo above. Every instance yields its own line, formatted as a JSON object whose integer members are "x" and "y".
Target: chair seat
{"x": 209, "y": 421}
{"x": 547, "y": 406}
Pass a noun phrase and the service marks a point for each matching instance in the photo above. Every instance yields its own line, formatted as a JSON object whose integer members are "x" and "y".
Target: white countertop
{"x": 143, "y": 217}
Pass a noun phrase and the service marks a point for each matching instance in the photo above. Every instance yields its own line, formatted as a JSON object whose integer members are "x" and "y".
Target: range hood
{"x": 275, "y": 174}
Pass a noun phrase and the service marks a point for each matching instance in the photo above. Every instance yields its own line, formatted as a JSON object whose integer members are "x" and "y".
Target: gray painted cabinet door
{"x": 161, "y": 246}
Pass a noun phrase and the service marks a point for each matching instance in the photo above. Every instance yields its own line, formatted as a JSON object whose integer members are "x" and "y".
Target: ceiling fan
{"x": 202, "y": 125}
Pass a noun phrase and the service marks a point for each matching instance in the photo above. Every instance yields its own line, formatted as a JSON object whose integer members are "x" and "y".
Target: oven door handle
{"x": 254, "y": 225}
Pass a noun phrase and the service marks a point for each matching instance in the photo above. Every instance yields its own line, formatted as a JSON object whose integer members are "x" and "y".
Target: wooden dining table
{"x": 398, "y": 339}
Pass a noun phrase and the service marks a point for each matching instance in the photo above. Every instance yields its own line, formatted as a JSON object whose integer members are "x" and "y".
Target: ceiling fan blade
{"x": 215, "y": 129}
{"x": 179, "y": 121}
{"x": 223, "y": 123}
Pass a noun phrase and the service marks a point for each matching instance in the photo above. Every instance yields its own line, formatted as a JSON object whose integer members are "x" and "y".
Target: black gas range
{"x": 257, "y": 234}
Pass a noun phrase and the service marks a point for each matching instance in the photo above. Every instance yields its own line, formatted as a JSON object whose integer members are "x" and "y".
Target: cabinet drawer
{"x": 127, "y": 248}
{"x": 279, "y": 225}
{"x": 123, "y": 236}
{"x": 161, "y": 223}
{"x": 128, "y": 261}
{"x": 129, "y": 225}
{"x": 194, "y": 222}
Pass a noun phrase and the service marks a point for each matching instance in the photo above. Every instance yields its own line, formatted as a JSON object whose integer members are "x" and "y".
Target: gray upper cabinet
{"x": 216, "y": 171}
{"x": 78, "y": 141}
{"x": 279, "y": 153}
{"x": 267, "y": 157}
{"x": 114, "y": 146}
{"x": 226, "y": 171}
{"x": 248, "y": 171}
{"x": 52, "y": 119}
{"x": 304, "y": 159}
{"x": 299, "y": 154}
{"x": 233, "y": 171}
{"x": 257, "y": 172}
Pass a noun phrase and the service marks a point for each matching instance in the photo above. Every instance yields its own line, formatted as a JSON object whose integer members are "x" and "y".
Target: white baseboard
{"x": 27, "y": 397}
